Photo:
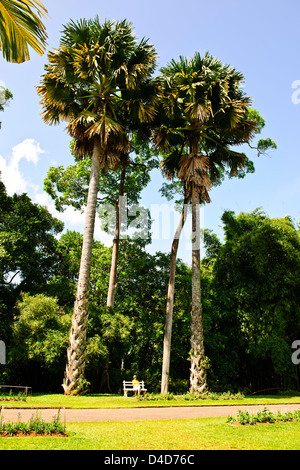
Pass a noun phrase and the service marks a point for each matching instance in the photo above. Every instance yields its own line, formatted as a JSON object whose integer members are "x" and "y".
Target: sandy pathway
{"x": 137, "y": 414}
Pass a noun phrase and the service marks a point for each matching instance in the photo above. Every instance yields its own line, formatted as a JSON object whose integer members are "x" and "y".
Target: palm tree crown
{"x": 205, "y": 113}
{"x": 94, "y": 80}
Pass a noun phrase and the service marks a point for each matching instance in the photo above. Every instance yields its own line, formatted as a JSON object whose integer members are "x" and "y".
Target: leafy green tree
{"x": 40, "y": 329}
{"x": 28, "y": 256}
{"x": 64, "y": 280}
{"x": 20, "y": 27}
{"x": 39, "y": 341}
{"x": 255, "y": 275}
{"x": 96, "y": 81}
{"x": 28, "y": 242}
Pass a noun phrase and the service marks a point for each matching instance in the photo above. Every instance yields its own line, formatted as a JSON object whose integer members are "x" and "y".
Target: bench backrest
{"x": 127, "y": 383}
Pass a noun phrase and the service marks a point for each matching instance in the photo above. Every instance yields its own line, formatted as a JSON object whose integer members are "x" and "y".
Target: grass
{"x": 196, "y": 434}
{"x": 118, "y": 401}
{"x": 192, "y": 434}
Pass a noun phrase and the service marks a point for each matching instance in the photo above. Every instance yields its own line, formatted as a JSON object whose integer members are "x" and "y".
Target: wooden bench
{"x": 22, "y": 387}
{"x": 128, "y": 387}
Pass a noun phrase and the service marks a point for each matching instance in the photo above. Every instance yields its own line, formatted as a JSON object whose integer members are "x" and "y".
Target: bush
{"x": 20, "y": 396}
{"x": 263, "y": 416}
{"x": 192, "y": 396}
{"x": 36, "y": 425}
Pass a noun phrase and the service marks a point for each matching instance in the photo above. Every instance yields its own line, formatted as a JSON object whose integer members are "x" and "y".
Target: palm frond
{"x": 103, "y": 126}
{"x": 171, "y": 163}
{"x": 20, "y": 27}
{"x": 194, "y": 170}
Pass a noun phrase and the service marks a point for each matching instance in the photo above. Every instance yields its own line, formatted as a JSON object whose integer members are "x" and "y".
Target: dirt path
{"x": 138, "y": 414}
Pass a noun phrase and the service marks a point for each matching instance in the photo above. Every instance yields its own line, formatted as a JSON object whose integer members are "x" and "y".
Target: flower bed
{"x": 36, "y": 426}
{"x": 191, "y": 396}
{"x": 13, "y": 397}
{"x": 263, "y": 416}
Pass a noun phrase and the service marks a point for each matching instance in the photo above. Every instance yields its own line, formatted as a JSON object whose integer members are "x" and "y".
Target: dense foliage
{"x": 250, "y": 286}
{"x": 255, "y": 278}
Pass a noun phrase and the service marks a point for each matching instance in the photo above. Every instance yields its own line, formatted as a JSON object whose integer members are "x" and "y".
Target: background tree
{"x": 20, "y": 27}
{"x": 28, "y": 242}
{"x": 39, "y": 341}
{"x": 250, "y": 313}
{"x": 93, "y": 81}
{"x": 70, "y": 187}
{"x": 28, "y": 252}
{"x": 255, "y": 285}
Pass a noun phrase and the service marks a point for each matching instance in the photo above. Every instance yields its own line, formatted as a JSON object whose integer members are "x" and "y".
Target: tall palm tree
{"x": 90, "y": 81}
{"x": 20, "y": 27}
{"x": 205, "y": 113}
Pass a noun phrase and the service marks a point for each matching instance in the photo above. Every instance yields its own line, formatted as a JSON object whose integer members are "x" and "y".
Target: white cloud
{"x": 16, "y": 182}
{"x": 73, "y": 219}
{"x": 11, "y": 175}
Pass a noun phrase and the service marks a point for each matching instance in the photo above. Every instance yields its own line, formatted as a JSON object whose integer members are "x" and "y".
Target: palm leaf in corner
{"x": 21, "y": 27}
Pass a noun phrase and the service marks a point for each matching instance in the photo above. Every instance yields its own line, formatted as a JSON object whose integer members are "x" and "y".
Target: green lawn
{"x": 196, "y": 434}
{"x": 118, "y": 401}
{"x": 193, "y": 434}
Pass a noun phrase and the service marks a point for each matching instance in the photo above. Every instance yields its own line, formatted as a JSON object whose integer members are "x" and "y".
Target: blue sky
{"x": 259, "y": 38}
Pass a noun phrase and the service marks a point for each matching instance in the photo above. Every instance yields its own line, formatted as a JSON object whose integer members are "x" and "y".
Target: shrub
{"x": 35, "y": 425}
{"x": 263, "y": 416}
{"x": 20, "y": 396}
{"x": 192, "y": 396}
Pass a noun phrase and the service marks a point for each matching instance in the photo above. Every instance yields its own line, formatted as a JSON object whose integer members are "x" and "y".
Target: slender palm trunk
{"x": 197, "y": 370}
{"x": 115, "y": 250}
{"x": 170, "y": 304}
{"x": 74, "y": 373}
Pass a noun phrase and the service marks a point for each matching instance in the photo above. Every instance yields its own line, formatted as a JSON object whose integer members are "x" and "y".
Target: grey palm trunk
{"x": 197, "y": 370}
{"x": 76, "y": 353}
{"x": 115, "y": 249}
{"x": 170, "y": 305}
